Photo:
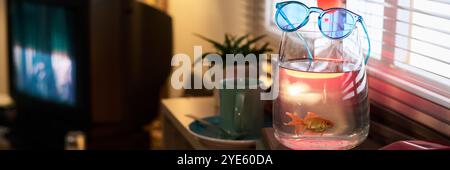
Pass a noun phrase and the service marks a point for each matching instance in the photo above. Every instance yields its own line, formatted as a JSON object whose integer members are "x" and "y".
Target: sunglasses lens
{"x": 289, "y": 17}
{"x": 337, "y": 23}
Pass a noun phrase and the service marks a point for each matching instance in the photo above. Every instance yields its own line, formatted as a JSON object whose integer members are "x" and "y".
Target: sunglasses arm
{"x": 368, "y": 38}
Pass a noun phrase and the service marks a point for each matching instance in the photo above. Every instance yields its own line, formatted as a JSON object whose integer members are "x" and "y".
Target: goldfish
{"x": 311, "y": 122}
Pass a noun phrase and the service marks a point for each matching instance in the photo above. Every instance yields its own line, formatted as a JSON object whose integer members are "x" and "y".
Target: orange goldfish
{"x": 311, "y": 122}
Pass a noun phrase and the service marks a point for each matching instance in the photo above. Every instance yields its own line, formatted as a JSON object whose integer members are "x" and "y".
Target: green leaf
{"x": 264, "y": 49}
{"x": 227, "y": 41}
{"x": 250, "y": 42}
{"x": 217, "y": 45}
{"x": 232, "y": 38}
{"x": 239, "y": 41}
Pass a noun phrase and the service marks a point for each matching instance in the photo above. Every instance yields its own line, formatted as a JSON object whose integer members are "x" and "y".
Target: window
{"x": 411, "y": 50}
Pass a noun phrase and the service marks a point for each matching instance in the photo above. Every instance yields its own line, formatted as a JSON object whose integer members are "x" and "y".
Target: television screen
{"x": 42, "y": 54}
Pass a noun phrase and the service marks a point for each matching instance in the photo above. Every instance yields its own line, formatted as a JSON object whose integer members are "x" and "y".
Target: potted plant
{"x": 244, "y": 45}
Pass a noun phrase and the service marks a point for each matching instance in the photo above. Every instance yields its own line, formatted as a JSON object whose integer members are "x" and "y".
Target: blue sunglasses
{"x": 334, "y": 23}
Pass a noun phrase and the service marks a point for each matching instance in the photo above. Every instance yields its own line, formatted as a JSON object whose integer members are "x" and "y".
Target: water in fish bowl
{"x": 323, "y": 104}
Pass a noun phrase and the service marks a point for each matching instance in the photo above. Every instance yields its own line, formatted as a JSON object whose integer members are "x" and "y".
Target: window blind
{"x": 413, "y": 38}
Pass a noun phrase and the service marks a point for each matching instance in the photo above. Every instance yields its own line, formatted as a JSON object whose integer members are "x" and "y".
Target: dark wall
{"x": 130, "y": 71}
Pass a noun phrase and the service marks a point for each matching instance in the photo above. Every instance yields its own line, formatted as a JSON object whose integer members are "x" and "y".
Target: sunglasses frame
{"x": 356, "y": 18}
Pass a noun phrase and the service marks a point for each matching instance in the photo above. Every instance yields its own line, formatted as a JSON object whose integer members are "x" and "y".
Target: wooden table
{"x": 175, "y": 123}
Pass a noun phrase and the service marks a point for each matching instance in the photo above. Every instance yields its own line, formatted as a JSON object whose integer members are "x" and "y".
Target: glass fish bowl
{"x": 323, "y": 99}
